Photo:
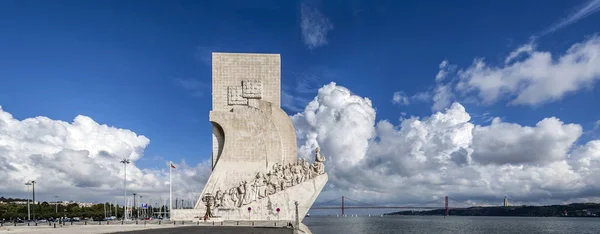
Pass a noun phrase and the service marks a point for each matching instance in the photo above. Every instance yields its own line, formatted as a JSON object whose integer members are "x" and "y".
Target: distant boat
{"x": 307, "y": 215}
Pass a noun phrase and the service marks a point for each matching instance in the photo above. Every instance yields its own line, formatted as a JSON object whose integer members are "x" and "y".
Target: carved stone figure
{"x": 307, "y": 170}
{"x": 247, "y": 193}
{"x": 287, "y": 176}
{"x": 262, "y": 186}
{"x": 318, "y": 156}
{"x": 319, "y": 167}
{"x": 218, "y": 198}
{"x": 234, "y": 197}
{"x": 276, "y": 180}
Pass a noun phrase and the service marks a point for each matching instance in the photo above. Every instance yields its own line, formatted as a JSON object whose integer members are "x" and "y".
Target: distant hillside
{"x": 575, "y": 209}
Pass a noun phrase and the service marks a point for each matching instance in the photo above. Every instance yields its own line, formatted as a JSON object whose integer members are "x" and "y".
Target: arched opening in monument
{"x": 218, "y": 142}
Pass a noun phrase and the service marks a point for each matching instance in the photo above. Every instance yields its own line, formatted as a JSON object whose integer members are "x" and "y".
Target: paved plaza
{"x": 154, "y": 227}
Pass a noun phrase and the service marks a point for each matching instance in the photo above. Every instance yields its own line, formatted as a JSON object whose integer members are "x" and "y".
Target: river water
{"x": 452, "y": 224}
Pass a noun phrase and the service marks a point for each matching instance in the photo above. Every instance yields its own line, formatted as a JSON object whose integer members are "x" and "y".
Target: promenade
{"x": 149, "y": 227}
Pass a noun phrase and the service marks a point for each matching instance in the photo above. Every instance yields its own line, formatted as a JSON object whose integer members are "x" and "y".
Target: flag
{"x": 172, "y": 165}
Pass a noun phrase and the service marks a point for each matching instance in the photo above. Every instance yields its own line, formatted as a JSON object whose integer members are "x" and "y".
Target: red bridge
{"x": 431, "y": 205}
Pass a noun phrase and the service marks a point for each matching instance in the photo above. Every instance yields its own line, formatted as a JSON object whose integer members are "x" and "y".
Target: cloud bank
{"x": 421, "y": 159}
{"x": 415, "y": 160}
{"x": 80, "y": 161}
{"x": 528, "y": 77}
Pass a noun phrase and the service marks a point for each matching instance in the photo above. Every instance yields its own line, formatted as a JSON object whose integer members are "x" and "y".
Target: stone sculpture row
{"x": 274, "y": 181}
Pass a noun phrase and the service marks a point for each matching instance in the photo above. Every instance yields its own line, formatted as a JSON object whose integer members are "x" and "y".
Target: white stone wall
{"x": 230, "y": 69}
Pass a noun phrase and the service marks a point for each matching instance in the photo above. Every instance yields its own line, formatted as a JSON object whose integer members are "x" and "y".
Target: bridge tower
{"x": 446, "y": 205}
{"x": 342, "y": 206}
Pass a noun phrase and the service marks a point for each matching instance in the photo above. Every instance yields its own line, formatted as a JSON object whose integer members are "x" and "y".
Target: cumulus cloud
{"x": 415, "y": 160}
{"x": 80, "y": 160}
{"x": 422, "y": 159}
{"x": 315, "y": 26}
{"x": 531, "y": 77}
{"x": 509, "y": 143}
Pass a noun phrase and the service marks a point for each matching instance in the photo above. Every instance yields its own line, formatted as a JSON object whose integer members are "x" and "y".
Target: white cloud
{"x": 400, "y": 98}
{"x": 539, "y": 78}
{"x": 581, "y": 12}
{"x": 442, "y": 98}
{"x": 416, "y": 160}
{"x": 80, "y": 161}
{"x": 444, "y": 66}
{"x": 315, "y": 27}
{"x": 422, "y": 96}
{"x": 524, "y": 49}
{"x": 423, "y": 159}
{"x": 501, "y": 143}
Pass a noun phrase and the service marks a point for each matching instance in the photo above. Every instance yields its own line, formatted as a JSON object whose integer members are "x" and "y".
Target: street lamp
{"x": 28, "y": 209}
{"x": 133, "y": 207}
{"x": 141, "y": 202}
{"x": 33, "y": 185}
{"x": 56, "y": 205}
{"x": 125, "y": 162}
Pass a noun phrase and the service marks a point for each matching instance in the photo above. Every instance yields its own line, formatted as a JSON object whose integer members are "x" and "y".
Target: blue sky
{"x": 145, "y": 65}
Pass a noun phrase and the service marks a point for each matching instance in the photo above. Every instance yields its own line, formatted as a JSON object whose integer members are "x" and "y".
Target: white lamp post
{"x": 28, "y": 209}
{"x": 125, "y": 162}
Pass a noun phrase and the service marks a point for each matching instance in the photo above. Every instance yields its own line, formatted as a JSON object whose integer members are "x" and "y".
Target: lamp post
{"x": 28, "y": 209}
{"x": 56, "y": 205}
{"x": 141, "y": 203}
{"x": 133, "y": 207}
{"x": 125, "y": 162}
{"x": 33, "y": 185}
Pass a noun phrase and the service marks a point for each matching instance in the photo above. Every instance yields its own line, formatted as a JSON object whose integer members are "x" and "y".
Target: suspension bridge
{"x": 437, "y": 204}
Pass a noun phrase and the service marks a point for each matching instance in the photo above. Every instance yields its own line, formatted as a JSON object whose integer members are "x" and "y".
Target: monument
{"x": 256, "y": 172}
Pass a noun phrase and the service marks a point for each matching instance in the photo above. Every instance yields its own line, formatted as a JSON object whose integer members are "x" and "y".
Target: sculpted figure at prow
{"x": 276, "y": 180}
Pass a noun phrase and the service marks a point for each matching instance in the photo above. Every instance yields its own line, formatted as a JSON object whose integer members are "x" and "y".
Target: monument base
{"x": 266, "y": 208}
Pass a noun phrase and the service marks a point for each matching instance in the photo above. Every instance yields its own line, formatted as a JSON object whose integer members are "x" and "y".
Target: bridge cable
{"x": 359, "y": 202}
{"x": 429, "y": 202}
{"x": 454, "y": 200}
{"x": 324, "y": 203}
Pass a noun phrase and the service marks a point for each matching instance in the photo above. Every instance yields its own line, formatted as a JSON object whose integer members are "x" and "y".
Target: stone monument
{"x": 257, "y": 174}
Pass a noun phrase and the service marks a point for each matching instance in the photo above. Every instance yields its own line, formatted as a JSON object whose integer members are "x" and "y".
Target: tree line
{"x": 44, "y": 210}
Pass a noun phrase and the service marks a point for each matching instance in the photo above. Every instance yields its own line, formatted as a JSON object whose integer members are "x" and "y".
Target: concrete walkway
{"x": 77, "y": 229}
{"x": 216, "y": 230}
{"x": 149, "y": 228}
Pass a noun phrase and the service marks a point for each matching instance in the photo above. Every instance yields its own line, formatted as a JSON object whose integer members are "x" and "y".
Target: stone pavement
{"x": 77, "y": 229}
{"x": 166, "y": 227}
{"x": 216, "y": 230}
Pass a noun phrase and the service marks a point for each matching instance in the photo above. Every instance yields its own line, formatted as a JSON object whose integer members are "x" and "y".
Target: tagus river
{"x": 452, "y": 224}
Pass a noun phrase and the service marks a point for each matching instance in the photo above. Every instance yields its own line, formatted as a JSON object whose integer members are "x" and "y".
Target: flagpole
{"x": 170, "y": 190}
